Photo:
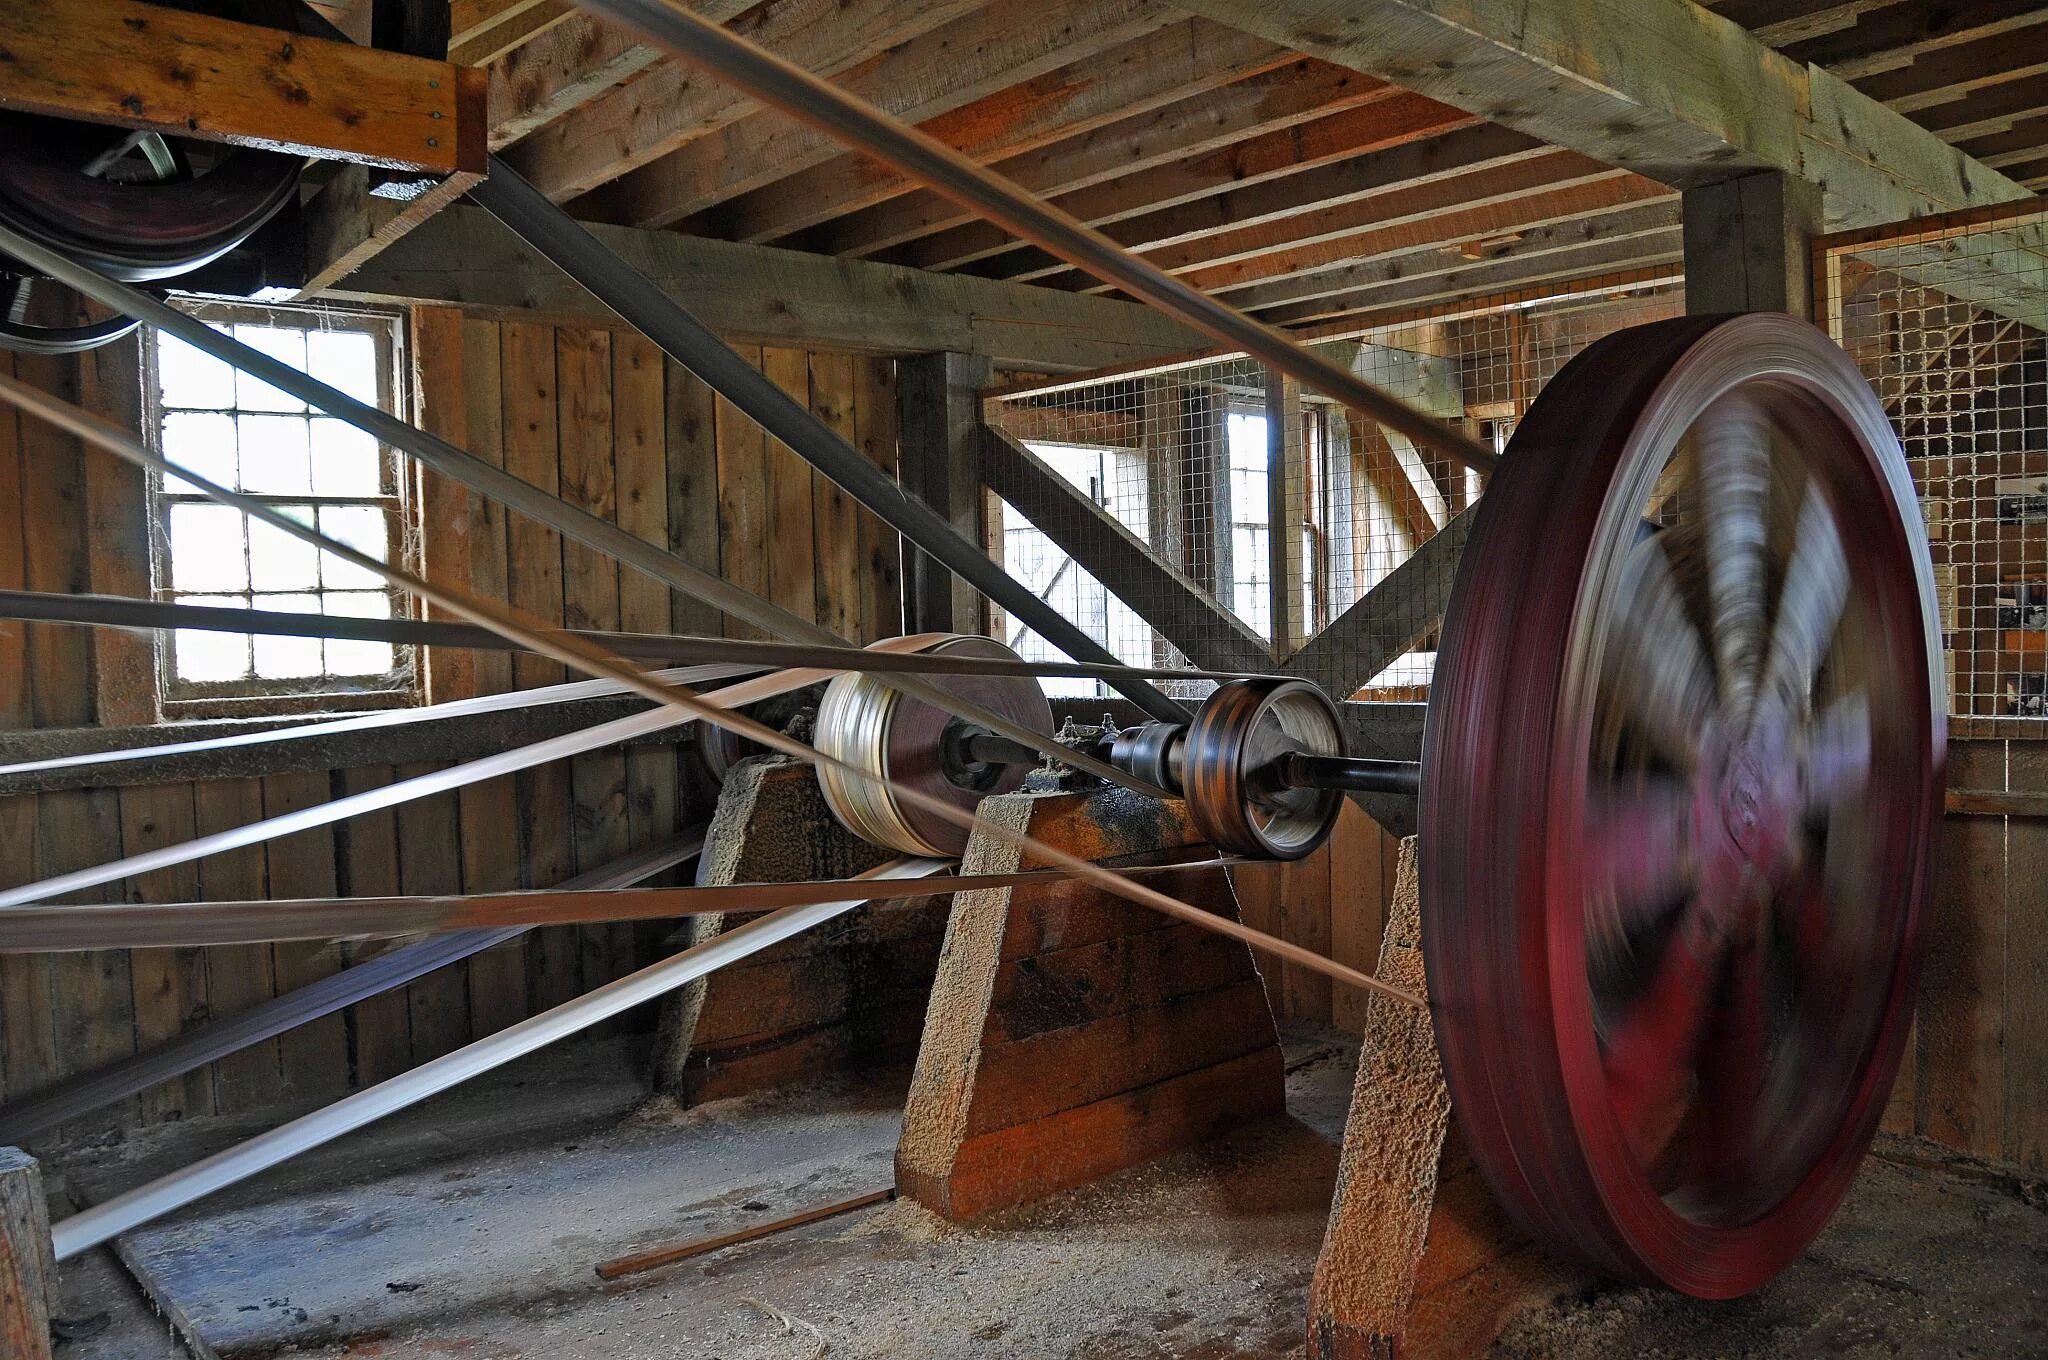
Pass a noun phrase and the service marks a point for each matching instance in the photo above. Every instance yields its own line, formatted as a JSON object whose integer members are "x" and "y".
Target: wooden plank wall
{"x": 600, "y": 415}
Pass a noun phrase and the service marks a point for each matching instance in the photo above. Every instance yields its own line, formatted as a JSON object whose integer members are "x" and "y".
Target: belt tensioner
{"x": 1670, "y": 908}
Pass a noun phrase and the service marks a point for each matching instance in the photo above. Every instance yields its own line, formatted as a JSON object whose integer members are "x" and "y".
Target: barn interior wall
{"x": 599, "y": 415}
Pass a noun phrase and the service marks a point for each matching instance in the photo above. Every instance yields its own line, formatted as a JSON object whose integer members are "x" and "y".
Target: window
{"x": 1251, "y": 567}
{"x": 1114, "y": 479}
{"x": 245, "y": 434}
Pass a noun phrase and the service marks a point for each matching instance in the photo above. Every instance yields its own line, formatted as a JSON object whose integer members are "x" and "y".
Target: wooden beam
{"x": 761, "y": 294}
{"x": 933, "y": 75}
{"x": 938, "y": 400}
{"x": 1749, "y": 245}
{"x": 1149, "y": 133}
{"x": 1388, "y": 620}
{"x": 144, "y": 66}
{"x": 1662, "y": 87}
{"x": 346, "y": 225}
{"x": 673, "y": 103}
{"x": 28, "y": 1272}
{"x": 1158, "y": 592}
{"x": 1879, "y": 38}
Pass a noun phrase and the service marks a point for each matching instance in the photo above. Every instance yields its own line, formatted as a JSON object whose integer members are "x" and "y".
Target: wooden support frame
{"x": 1071, "y": 1034}
{"x": 137, "y": 65}
{"x": 1389, "y": 619}
{"x": 938, "y": 401}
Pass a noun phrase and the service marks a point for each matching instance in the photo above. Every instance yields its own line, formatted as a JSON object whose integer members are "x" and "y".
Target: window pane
{"x": 360, "y": 658}
{"x": 275, "y": 461}
{"x": 346, "y": 462}
{"x": 206, "y": 549}
{"x": 344, "y": 359}
{"x": 284, "y": 344}
{"x": 280, "y": 562}
{"x": 203, "y": 442}
{"x": 287, "y": 658}
{"x": 362, "y": 527}
{"x": 187, "y": 377}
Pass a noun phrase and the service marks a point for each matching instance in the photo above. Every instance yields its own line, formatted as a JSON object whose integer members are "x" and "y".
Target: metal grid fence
{"x": 1185, "y": 457}
{"x": 1949, "y": 319}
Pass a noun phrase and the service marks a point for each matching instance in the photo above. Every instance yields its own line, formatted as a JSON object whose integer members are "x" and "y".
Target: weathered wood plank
{"x": 792, "y": 569}
{"x": 491, "y": 863}
{"x": 2025, "y": 1139}
{"x": 484, "y": 423}
{"x": 117, "y": 509}
{"x": 691, "y": 453}
{"x": 939, "y": 450}
{"x": 93, "y": 994}
{"x": 14, "y": 685}
{"x": 835, "y": 518}
{"x": 429, "y": 862}
{"x": 743, "y": 542}
{"x": 380, "y": 1029}
{"x": 169, "y": 984}
{"x": 441, "y": 406}
{"x": 139, "y": 65}
{"x": 240, "y": 976}
{"x": 1961, "y": 1063}
{"x": 313, "y": 1056}
{"x": 533, "y": 552}
{"x": 874, "y": 418}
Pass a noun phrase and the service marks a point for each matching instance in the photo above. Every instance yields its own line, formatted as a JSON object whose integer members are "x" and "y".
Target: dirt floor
{"x": 469, "y": 1228}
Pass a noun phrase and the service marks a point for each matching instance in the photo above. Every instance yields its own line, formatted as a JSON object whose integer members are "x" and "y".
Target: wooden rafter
{"x": 672, "y": 104}
{"x": 926, "y": 78}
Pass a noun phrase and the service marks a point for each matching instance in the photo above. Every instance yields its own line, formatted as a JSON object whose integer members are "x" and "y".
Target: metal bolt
{"x": 433, "y": 141}
{"x": 434, "y": 85}
{"x": 435, "y": 114}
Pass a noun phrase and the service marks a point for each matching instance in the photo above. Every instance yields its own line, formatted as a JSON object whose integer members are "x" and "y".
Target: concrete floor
{"x": 469, "y": 1228}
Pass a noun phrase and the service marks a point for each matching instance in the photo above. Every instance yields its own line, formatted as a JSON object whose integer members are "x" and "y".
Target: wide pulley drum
{"x": 896, "y": 740}
{"x": 1682, "y": 771}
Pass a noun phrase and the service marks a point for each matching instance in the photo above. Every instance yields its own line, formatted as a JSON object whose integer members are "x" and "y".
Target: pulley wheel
{"x": 1227, "y": 767}
{"x": 1683, "y": 766}
{"x": 141, "y": 206}
{"x": 891, "y": 736}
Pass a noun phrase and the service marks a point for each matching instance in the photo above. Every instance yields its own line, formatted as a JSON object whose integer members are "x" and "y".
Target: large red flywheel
{"x": 1683, "y": 764}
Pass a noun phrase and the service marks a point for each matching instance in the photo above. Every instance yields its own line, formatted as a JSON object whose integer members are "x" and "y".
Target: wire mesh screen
{"x": 1201, "y": 460}
{"x": 1950, "y": 323}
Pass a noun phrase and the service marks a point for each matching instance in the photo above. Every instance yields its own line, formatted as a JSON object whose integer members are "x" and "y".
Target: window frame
{"x": 253, "y": 696}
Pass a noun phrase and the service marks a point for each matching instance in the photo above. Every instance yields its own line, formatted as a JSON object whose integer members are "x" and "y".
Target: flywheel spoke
{"x": 1809, "y": 604}
{"x": 1657, "y": 673}
{"x": 1732, "y": 1063}
{"x": 1838, "y": 754}
{"x": 1636, "y": 851}
{"x": 1732, "y": 443}
{"x": 1648, "y": 1055}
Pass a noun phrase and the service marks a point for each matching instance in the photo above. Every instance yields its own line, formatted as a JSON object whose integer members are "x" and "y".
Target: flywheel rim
{"x": 1511, "y": 716}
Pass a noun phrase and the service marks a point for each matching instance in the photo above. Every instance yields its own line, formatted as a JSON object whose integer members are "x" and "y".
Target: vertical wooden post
{"x": 1283, "y": 511}
{"x": 28, "y": 1270}
{"x": 1748, "y": 245}
{"x": 939, "y": 404}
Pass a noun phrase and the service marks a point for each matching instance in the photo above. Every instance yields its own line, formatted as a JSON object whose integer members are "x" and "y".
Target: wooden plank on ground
{"x": 141, "y": 65}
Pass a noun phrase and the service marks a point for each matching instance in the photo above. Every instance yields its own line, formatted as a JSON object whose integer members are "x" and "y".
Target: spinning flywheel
{"x": 1684, "y": 760}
